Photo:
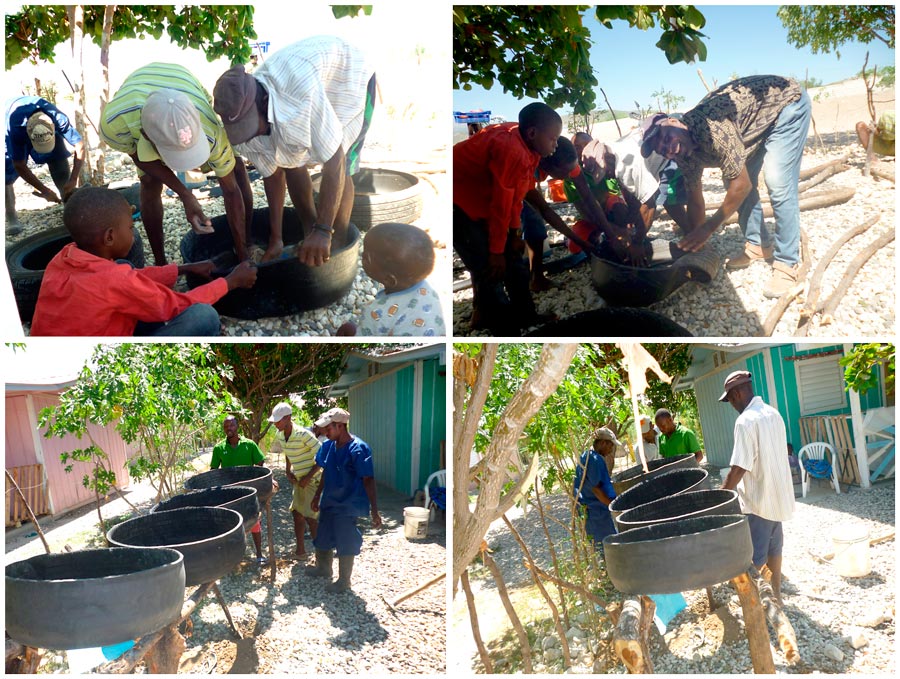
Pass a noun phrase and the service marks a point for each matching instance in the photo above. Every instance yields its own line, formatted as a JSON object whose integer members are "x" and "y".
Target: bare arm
{"x": 600, "y": 495}
{"x": 735, "y": 474}
{"x": 369, "y": 485}
{"x": 738, "y": 189}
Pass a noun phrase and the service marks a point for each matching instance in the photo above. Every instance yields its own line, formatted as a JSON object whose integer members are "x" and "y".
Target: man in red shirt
{"x": 492, "y": 172}
{"x": 86, "y": 291}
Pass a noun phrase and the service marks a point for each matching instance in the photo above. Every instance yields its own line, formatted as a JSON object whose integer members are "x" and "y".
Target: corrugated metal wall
{"x": 373, "y": 418}
{"x": 434, "y": 419}
{"x": 717, "y": 419}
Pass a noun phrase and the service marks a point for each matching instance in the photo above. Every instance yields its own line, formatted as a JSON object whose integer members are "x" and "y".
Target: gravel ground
{"x": 826, "y": 609}
{"x": 294, "y": 627}
{"x": 36, "y": 215}
{"x": 732, "y": 305}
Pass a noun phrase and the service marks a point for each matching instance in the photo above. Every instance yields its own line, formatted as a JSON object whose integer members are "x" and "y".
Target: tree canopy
{"x": 824, "y": 28}
{"x": 544, "y": 51}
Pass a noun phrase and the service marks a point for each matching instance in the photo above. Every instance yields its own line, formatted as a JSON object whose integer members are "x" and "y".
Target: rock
{"x": 552, "y": 653}
{"x": 833, "y": 652}
{"x": 574, "y": 632}
{"x": 549, "y": 642}
{"x": 858, "y": 639}
{"x": 871, "y": 619}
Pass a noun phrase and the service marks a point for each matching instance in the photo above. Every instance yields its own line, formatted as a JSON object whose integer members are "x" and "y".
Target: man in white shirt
{"x": 760, "y": 472}
{"x": 649, "y": 434}
{"x": 310, "y": 102}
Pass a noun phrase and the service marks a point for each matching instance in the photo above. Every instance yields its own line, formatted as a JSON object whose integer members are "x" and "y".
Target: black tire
{"x": 211, "y": 539}
{"x": 686, "y": 505}
{"x": 612, "y": 321}
{"x": 635, "y": 474}
{"x": 654, "y": 487}
{"x": 242, "y": 475}
{"x": 678, "y": 556}
{"x": 27, "y": 260}
{"x": 93, "y": 597}
{"x": 283, "y": 287}
{"x": 382, "y": 196}
{"x": 241, "y": 499}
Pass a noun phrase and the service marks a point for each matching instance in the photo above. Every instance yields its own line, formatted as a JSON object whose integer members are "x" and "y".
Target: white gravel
{"x": 732, "y": 305}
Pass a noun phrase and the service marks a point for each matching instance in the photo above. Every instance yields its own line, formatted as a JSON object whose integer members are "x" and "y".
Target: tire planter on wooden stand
{"x": 93, "y": 597}
{"x": 655, "y": 487}
{"x": 241, "y": 499}
{"x": 682, "y": 506}
{"x": 679, "y": 556}
{"x": 382, "y": 196}
{"x": 242, "y": 475}
{"x": 27, "y": 260}
{"x": 624, "y": 480}
{"x": 210, "y": 538}
{"x": 284, "y": 286}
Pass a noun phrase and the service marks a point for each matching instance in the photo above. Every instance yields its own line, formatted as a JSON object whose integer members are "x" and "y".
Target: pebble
{"x": 858, "y": 639}
{"x": 833, "y": 652}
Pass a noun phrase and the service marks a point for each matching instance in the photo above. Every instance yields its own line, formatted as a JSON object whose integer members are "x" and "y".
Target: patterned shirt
{"x": 317, "y": 100}
{"x": 300, "y": 449}
{"x": 120, "y": 122}
{"x": 415, "y": 311}
{"x": 731, "y": 123}
{"x": 760, "y": 444}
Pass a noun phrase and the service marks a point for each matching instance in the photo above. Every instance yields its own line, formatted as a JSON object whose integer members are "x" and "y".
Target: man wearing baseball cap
{"x": 310, "y": 102}
{"x": 163, "y": 118}
{"x": 36, "y": 129}
{"x": 346, "y": 491}
{"x": 760, "y": 472}
{"x": 649, "y": 434}
{"x": 299, "y": 446}
{"x": 752, "y": 124}
{"x": 593, "y": 486}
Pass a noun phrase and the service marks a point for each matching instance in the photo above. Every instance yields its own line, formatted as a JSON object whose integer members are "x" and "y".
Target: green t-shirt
{"x": 245, "y": 453}
{"x": 680, "y": 442}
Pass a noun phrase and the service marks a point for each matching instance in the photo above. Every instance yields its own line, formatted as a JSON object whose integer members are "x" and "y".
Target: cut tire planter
{"x": 678, "y": 556}
{"x": 685, "y": 505}
{"x": 634, "y": 475}
{"x": 27, "y": 260}
{"x": 241, "y": 499}
{"x": 211, "y": 539}
{"x": 282, "y": 287}
{"x": 653, "y": 488}
{"x": 242, "y": 475}
{"x": 382, "y": 196}
{"x": 93, "y": 597}
{"x": 609, "y": 321}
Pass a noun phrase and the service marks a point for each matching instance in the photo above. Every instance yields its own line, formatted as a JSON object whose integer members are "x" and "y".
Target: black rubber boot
{"x": 345, "y": 570}
{"x": 322, "y": 569}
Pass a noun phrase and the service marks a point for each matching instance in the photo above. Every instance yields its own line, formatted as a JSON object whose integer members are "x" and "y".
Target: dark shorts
{"x": 767, "y": 537}
{"x": 338, "y": 532}
{"x": 352, "y": 158}
{"x": 534, "y": 228}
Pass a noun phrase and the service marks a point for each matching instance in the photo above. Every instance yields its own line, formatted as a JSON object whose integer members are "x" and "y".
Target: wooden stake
{"x": 781, "y": 625}
{"x": 269, "y": 533}
{"x": 31, "y": 515}
{"x": 473, "y": 619}
{"x": 415, "y": 590}
{"x": 631, "y": 635}
{"x": 754, "y": 624}
{"x": 224, "y": 605}
{"x": 858, "y": 262}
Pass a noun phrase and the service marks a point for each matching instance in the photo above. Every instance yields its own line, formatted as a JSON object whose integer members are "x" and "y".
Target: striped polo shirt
{"x": 120, "y": 122}
{"x": 317, "y": 98}
{"x": 760, "y": 447}
{"x": 300, "y": 449}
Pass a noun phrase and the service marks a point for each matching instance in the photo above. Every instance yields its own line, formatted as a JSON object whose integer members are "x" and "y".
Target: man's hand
{"x": 637, "y": 253}
{"x": 242, "y": 276}
{"x": 199, "y": 222}
{"x": 376, "y": 519}
{"x": 696, "y": 239}
{"x": 49, "y": 195}
{"x": 304, "y": 481}
{"x": 292, "y": 477}
{"x": 314, "y": 505}
{"x": 496, "y": 267}
{"x": 316, "y": 248}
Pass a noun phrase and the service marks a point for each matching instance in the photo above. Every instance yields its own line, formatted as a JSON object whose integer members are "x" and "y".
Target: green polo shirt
{"x": 246, "y": 453}
{"x": 680, "y": 442}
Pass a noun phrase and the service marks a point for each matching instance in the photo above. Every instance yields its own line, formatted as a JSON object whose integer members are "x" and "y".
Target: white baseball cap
{"x": 280, "y": 411}
{"x": 333, "y": 415}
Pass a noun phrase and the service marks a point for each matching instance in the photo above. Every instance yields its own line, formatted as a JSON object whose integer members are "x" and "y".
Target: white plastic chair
{"x": 817, "y": 451}
{"x": 440, "y": 476}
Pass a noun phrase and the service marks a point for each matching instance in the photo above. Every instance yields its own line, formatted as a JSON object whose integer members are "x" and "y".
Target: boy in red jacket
{"x": 87, "y": 290}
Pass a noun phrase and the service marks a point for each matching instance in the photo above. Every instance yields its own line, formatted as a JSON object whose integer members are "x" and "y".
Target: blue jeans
{"x": 779, "y": 159}
{"x": 534, "y": 228}
{"x": 198, "y": 320}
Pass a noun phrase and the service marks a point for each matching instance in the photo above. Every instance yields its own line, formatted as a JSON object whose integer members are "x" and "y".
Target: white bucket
{"x": 415, "y": 523}
{"x": 851, "y": 551}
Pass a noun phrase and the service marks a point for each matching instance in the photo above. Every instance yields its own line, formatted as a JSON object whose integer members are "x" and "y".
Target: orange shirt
{"x": 492, "y": 172}
{"x": 82, "y": 294}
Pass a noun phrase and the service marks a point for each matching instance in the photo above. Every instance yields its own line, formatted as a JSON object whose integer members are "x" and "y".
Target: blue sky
{"x": 742, "y": 40}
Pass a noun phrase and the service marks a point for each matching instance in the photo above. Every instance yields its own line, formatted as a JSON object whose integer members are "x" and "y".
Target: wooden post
{"x": 224, "y": 605}
{"x": 21, "y": 659}
{"x": 165, "y": 656}
{"x": 269, "y": 533}
{"x": 787, "y": 639}
{"x": 632, "y": 632}
{"x": 28, "y": 509}
{"x": 755, "y": 625}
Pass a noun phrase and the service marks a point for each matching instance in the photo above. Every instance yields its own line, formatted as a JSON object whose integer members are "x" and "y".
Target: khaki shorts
{"x": 303, "y": 497}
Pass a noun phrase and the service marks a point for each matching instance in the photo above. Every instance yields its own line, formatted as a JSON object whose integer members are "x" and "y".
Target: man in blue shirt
{"x": 35, "y": 128}
{"x": 346, "y": 491}
{"x": 596, "y": 491}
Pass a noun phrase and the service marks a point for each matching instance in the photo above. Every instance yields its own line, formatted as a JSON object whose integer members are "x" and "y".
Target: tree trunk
{"x": 28, "y": 509}
{"x": 21, "y": 659}
{"x": 106, "y": 38}
{"x": 473, "y": 619}
{"x": 76, "y": 22}
{"x": 511, "y": 612}
{"x": 632, "y": 635}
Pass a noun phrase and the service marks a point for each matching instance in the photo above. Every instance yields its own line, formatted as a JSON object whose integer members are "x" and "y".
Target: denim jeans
{"x": 779, "y": 159}
{"x": 198, "y": 320}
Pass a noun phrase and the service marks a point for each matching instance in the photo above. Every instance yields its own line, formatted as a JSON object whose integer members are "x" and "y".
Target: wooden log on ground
{"x": 415, "y": 590}
{"x": 858, "y": 262}
{"x": 813, "y": 171}
{"x": 631, "y": 635}
{"x": 21, "y": 659}
{"x": 821, "y": 177}
{"x": 778, "y": 620}
{"x": 777, "y": 311}
{"x": 813, "y": 201}
{"x": 815, "y": 281}
{"x": 754, "y": 624}
{"x": 883, "y": 173}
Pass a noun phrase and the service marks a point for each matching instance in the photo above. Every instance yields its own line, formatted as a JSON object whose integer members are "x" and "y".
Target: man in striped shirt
{"x": 760, "y": 472}
{"x": 163, "y": 118}
{"x": 299, "y": 446}
{"x": 310, "y": 102}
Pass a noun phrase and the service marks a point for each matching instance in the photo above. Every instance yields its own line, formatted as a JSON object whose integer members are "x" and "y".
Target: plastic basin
{"x": 624, "y": 480}
{"x": 682, "y": 506}
{"x": 241, "y": 499}
{"x": 243, "y": 475}
{"x": 211, "y": 539}
{"x": 671, "y": 482}
{"x": 94, "y": 597}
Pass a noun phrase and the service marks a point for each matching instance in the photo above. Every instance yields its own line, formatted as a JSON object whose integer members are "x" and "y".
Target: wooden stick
{"x": 612, "y": 112}
{"x": 778, "y": 621}
{"x": 224, "y": 605}
{"x": 271, "y": 539}
{"x": 630, "y": 636}
{"x": 876, "y": 171}
{"x": 815, "y": 282}
{"x": 814, "y": 201}
{"x": 31, "y": 515}
{"x": 21, "y": 659}
{"x": 813, "y": 171}
{"x": 415, "y": 590}
{"x": 575, "y": 588}
{"x": 858, "y": 262}
{"x": 777, "y": 311}
{"x": 524, "y": 644}
{"x": 165, "y": 656}
{"x": 821, "y": 177}
{"x": 473, "y": 619}
{"x": 754, "y": 624}
{"x": 874, "y": 541}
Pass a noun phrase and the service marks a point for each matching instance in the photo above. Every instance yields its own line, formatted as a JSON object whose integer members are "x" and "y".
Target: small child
{"x": 89, "y": 289}
{"x": 400, "y": 257}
